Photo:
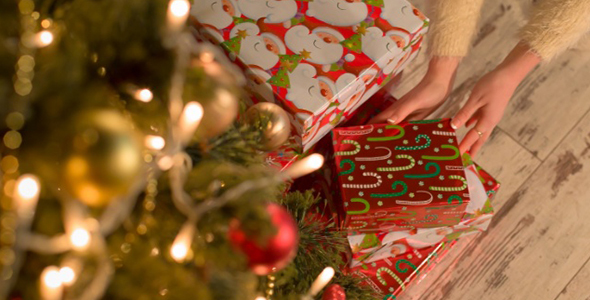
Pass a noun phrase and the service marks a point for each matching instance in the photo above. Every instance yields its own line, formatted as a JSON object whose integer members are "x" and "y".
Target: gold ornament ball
{"x": 272, "y": 121}
{"x": 103, "y": 157}
{"x": 216, "y": 90}
{"x": 219, "y": 112}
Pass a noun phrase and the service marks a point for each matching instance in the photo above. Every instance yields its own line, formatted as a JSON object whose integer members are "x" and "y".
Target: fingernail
{"x": 391, "y": 121}
{"x": 453, "y": 126}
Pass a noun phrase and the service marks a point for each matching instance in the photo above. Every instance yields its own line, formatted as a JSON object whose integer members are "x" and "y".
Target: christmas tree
{"x": 126, "y": 173}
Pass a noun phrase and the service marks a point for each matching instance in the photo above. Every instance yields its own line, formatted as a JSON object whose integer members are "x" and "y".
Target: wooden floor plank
{"x": 539, "y": 239}
{"x": 578, "y": 288}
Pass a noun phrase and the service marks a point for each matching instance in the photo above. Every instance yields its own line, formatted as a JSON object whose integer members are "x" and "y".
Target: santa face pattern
{"x": 338, "y": 12}
{"x": 217, "y": 13}
{"x": 258, "y": 50}
{"x": 402, "y": 13}
{"x": 320, "y": 46}
{"x": 274, "y": 11}
{"x": 257, "y": 84}
{"x": 340, "y": 39}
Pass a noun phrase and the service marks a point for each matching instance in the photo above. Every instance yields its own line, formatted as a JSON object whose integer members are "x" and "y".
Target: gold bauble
{"x": 216, "y": 90}
{"x": 102, "y": 157}
{"x": 272, "y": 121}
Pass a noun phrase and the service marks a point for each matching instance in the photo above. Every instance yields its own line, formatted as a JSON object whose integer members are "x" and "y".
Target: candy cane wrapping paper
{"x": 391, "y": 276}
{"x": 370, "y": 247}
{"x": 399, "y": 177}
{"x": 320, "y": 60}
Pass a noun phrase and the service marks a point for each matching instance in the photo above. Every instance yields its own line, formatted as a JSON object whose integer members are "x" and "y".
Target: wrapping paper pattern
{"x": 390, "y": 276}
{"x": 288, "y": 153}
{"x": 477, "y": 217}
{"x": 399, "y": 177}
{"x": 319, "y": 59}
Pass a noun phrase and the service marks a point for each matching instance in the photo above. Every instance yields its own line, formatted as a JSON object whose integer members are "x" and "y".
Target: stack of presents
{"x": 403, "y": 192}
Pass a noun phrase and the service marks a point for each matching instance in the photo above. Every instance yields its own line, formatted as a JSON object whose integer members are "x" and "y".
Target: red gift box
{"x": 391, "y": 276}
{"x": 399, "y": 177}
{"x": 320, "y": 59}
{"x": 371, "y": 247}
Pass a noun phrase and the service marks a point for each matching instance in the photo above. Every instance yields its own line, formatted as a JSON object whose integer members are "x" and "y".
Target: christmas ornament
{"x": 272, "y": 121}
{"x": 277, "y": 251}
{"x": 102, "y": 158}
{"x": 334, "y": 292}
{"x": 216, "y": 90}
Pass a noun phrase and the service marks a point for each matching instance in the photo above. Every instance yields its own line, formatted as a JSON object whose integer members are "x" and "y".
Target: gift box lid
{"x": 319, "y": 59}
{"x": 400, "y": 177}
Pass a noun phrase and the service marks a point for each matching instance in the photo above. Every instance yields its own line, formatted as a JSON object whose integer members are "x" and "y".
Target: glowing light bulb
{"x": 321, "y": 281}
{"x": 189, "y": 120}
{"x": 80, "y": 238}
{"x": 260, "y": 298}
{"x": 165, "y": 163}
{"x": 67, "y": 275}
{"x": 179, "y": 251}
{"x": 182, "y": 242}
{"x": 304, "y": 166}
{"x": 51, "y": 284}
{"x": 155, "y": 142}
{"x": 27, "y": 187}
{"x": 143, "y": 95}
{"x": 193, "y": 112}
{"x": 51, "y": 277}
{"x": 44, "y": 38}
{"x": 179, "y": 8}
{"x": 177, "y": 14}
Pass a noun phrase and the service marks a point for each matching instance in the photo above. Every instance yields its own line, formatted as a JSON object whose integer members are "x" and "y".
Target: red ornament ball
{"x": 278, "y": 251}
{"x": 334, "y": 292}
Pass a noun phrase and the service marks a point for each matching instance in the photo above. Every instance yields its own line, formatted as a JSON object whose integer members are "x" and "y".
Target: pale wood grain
{"x": 538, "y": 240}
{"x": 579, "y": 287}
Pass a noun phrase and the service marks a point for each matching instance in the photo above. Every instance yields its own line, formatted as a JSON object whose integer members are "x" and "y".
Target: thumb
{"x": 396, "y": 113}
{"x": 465, "y": 113}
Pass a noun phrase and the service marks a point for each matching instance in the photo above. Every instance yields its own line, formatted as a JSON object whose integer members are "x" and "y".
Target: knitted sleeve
{"x": 454, "y": 23}
{"x": 556, "y": 25}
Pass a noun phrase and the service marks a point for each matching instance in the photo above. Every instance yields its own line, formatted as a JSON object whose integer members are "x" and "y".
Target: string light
{"x": 80, "y": 238}
{"x": 177, "y": 14}
{"x": 304, "y": 166}
{"x": 27, "y": 187}
{"x": 182, "y": 242}
{"x": 321, "y": 281}
{"x": 43, "y": 38}
{"x": 51, "y": 283}
{"x": 165, "y": 163}
{"x": 155, "y": 142}
{"x": 67, "y": 275}
{"x": 189, "y": 120}
{"x": 143, "y": 95}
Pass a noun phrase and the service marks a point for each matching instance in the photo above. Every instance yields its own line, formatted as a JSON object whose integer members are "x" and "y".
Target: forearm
{"x": 556, "y": 25}
{"x": 519, "y": 62}
{"x": 442, "y": 68}
{"x": 454, "y": 22}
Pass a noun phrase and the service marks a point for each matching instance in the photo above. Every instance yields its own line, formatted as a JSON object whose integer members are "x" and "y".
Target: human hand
{"x": 488, "y": 100}
{"x": 425, "y": 97}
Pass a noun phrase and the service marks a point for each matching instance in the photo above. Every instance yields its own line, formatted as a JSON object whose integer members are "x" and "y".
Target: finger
{"x": 470, "y": 138}
{"x": 465, "y": 113}
{"x": 485, "y": 126}
{"x": 477, "y": 146}
{"x": 472, "y": 120}
{"x": 394, "y": 114}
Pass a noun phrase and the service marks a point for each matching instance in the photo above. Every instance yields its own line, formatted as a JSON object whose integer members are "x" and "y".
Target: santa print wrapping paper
{"x": 478, "y": 214}
{"x": 391, "y": 276}
{"x": 319, "y": 59}
{"x": 399, "y": 177}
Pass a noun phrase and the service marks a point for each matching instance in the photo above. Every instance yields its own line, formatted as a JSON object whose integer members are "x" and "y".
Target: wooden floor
{"x": 538, "y": 246}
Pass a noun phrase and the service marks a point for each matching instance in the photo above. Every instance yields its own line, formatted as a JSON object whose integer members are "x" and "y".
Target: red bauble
{"x": 278, "y": 250}
{"x": 334, "y": 292}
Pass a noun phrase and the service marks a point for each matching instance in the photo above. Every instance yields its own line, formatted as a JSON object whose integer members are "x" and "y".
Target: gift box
{"x": 320, "y": 60}
{"x": 390, "y": 276}
{"x": 399, "y": 177}
{"x": 289, "y": 153}
{"x": 478, "y": 214}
